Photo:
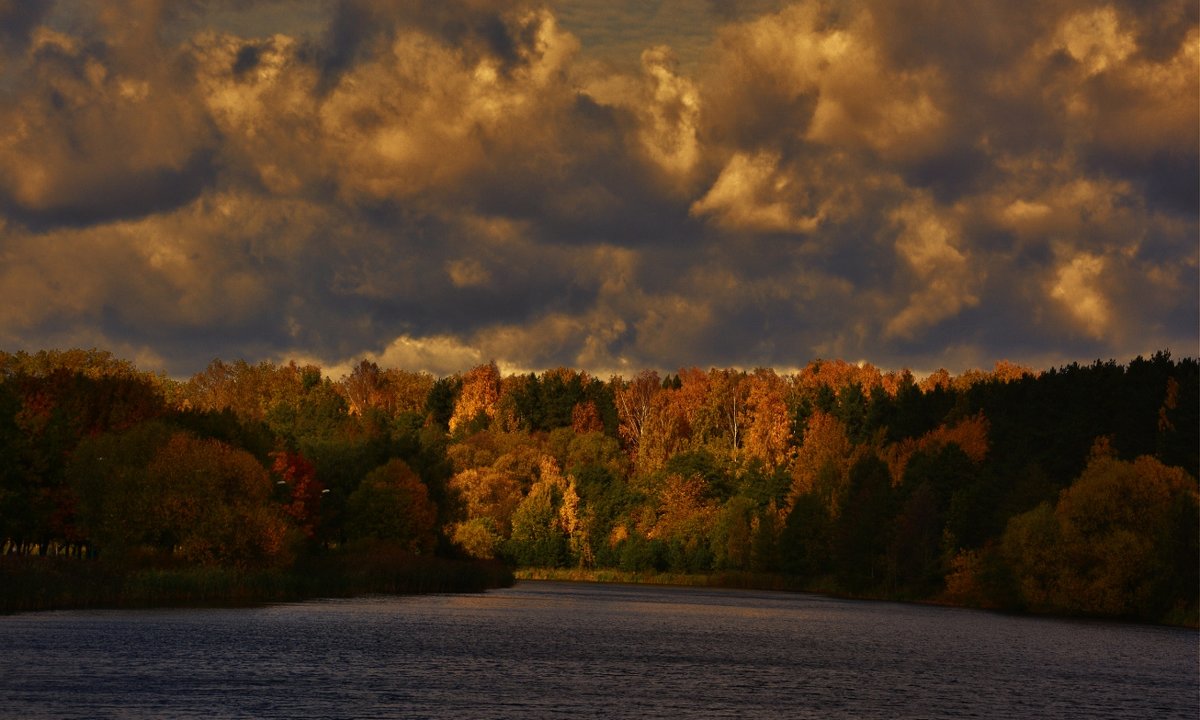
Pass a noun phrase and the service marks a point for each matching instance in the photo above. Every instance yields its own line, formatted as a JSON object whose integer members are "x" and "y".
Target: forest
{"x": 1069, "y": 490}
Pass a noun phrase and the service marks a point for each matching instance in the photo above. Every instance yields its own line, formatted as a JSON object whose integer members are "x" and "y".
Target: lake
{"x": 560, "y": 650}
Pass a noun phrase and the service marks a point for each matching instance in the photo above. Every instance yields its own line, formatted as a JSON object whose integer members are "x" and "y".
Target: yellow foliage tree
{"x": 488, "y": 492}
{"x": 1115, "y": 544}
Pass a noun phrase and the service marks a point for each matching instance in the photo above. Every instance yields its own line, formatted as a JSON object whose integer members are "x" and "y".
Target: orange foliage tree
{"x": 969, "y": 434}
{"x": 683, "y": 518}
{"x": 364, "y": 388}
{"x": 825, "y": 449}
{"x": 652, "y": 425}
{"x": 727, "y": 401}
{"x": 838, "y": 374}
{"x": 549, "y": 526}
{"x": 391, "y": 391}
{"x": 478, "y": 397}
{"x": 768, "y": 423}
{"x": 585, "y": 418}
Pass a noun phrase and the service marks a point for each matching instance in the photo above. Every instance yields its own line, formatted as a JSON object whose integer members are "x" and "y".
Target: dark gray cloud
{"x": 437, "y": 184}
{"x": 17, "y": 21}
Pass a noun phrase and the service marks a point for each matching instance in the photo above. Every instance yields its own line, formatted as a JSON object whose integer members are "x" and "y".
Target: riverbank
{"x": 731, "y": 580}
{"x": 785, "y": 583}
{"x": 53, "y": 583}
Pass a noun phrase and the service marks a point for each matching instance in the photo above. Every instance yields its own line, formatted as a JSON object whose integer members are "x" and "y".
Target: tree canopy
{"x": 1071, "y": 489}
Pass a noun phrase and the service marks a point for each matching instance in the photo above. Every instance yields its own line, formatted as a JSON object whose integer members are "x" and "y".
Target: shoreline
{"x": 770, "y": 582}
{"x": 43, "y": 584}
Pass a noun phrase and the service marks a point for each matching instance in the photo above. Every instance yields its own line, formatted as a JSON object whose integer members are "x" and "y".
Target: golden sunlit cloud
{"x": 1096, "y": 39}
{"x": 751, "y": 194}
{"x": 942, "y": 273}
{"x": 1077, "y": 286}
{"x": 671, "y": 118}
{"x": 439, "y": 355}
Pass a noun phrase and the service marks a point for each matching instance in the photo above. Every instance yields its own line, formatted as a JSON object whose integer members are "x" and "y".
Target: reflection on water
{"x": 544, "y": 650}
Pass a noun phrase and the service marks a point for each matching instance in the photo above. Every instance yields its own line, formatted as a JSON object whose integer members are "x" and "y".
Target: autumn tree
{"x": 768, "y": 425}
{"x": 236, "y": 386}
{"x": 732, "y": 536}
{"x": 728, "y": 402}
{"x": 826, "y": 453}
{"x": 682, "y": 519}
{"x": 585, "y": 418}
{"x": 652, "y": 425}
{"x": 634, "y": 400}
{"x": 970, "y": 435}
{"x": 305, "y": 492}
{"x": 490, "y": 496}
{"x": 407, "y": 390}
{"x": 391, "y": 392}
{"x": 476, "y": 403}
{"x": 548, "y": 529}
{"x": 365, "y": 388}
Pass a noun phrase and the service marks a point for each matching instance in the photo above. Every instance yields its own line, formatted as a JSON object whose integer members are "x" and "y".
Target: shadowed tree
{"x": 392, "y": 505}
{"x": 863, "y": 527}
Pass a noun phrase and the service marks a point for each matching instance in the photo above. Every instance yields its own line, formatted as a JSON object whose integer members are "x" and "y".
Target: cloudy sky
{"x": 603, "y": 184}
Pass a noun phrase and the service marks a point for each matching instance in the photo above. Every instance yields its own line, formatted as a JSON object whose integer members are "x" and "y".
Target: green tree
{"x": 439, "y": 404}
{"x": 806, "y": 543}
{"x": 863, "y": 527}
{"x": 914, "y": 553}
{"x": 733, "y": 534}
{"x": 119, "y": 503}
{"x": 538, "y": 539}
{"x": 392, "y": 505}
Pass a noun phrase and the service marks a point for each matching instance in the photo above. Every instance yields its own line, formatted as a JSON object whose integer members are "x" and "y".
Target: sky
{"x": 603, "y": 185}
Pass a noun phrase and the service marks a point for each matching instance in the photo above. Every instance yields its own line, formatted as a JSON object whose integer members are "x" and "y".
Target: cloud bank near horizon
{"x": 436, "y": 185}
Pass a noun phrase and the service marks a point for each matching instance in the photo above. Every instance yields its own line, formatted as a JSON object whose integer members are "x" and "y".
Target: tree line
{"x": 1068, "y": 490}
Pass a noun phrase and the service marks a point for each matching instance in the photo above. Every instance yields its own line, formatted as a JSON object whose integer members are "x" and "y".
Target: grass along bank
{"x": 56, "y": 583}
{"x": 725, "y": 579}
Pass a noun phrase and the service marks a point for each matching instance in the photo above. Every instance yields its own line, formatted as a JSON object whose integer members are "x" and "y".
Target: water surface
{"x": 551, "y": 650}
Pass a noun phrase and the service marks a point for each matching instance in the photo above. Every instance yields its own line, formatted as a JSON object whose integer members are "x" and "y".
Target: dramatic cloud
{"x": 610, "y": 186}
